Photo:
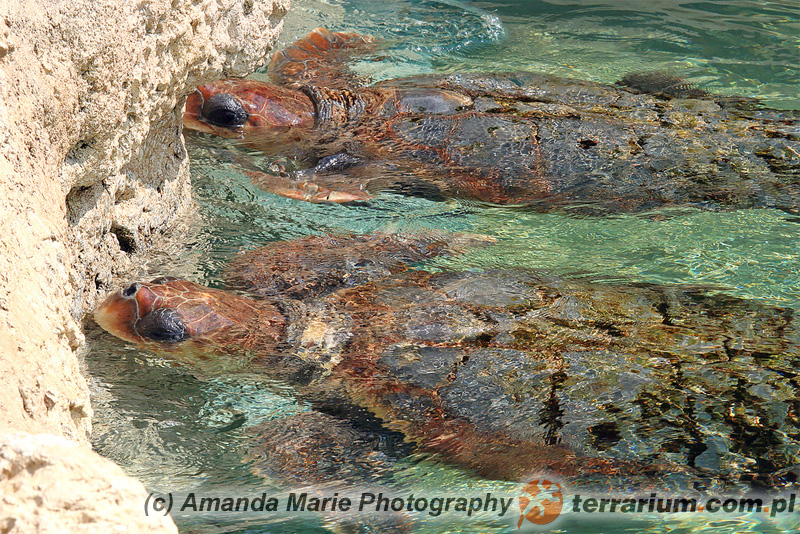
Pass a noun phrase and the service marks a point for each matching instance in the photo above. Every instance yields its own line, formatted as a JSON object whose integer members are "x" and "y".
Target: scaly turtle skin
{"x": 522, "y": 138}
{"x": 504, "y": 373}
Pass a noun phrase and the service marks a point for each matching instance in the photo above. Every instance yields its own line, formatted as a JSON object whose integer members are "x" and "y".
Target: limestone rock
{"x": 93, "y": 169}
{"x": 50, "y": 484}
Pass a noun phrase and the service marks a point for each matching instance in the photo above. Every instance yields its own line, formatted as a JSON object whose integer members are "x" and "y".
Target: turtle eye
{"x": 131, "y": 290}
{"x": 162, "y": 324}
{"x": 224, "y": 110}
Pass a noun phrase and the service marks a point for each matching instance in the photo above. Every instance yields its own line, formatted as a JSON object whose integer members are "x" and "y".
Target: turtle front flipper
{"x": 300, "y": 185}
{"x": 318, "y": 57}
{"x": 661, "y": 83}
{"x": 342, "y": 178}
{"x": 313, "y": 447}
{"x": 307, "y": 190}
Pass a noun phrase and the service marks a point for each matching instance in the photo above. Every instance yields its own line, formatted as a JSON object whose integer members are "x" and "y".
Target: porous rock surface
{"x": 55, "y": 485}
{"x": 93, "y": 171}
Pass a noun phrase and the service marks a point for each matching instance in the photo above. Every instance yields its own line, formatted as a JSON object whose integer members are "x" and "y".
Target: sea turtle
{"x": 502, "y": 372}
{"x": 522, "y": 138}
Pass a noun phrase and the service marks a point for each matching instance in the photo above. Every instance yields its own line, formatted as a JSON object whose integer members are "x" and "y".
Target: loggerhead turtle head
{"x": 247, "y": 109}
{"x": 175, "y": 315}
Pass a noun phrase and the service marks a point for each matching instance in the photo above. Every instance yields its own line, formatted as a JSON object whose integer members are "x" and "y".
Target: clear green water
{"x": 177, "y": 433}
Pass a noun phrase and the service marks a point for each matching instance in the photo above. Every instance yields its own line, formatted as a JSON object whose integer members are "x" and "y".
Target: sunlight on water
{"x": 177, "y": 431}
{"x": 739, "y": 47}
{"x": 413, "y": 33}
{"x": 750, "y": 253}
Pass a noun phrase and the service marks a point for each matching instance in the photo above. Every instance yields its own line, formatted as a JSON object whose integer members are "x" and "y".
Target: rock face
{"x": 55, "y": 485}
{"x": 93, "y": 168}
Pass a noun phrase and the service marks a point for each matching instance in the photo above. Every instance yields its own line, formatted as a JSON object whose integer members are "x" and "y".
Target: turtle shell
{"x": 508, "y": 373}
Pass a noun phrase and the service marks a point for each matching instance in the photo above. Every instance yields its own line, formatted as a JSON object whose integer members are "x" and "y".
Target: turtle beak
{"x": 117, "y": 315}
{"x": 193, "y": 112}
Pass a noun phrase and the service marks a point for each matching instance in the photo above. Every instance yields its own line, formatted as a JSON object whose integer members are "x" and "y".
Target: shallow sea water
{"x": 178, "y": 432}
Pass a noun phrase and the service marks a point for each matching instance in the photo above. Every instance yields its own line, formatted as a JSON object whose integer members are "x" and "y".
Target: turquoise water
{"x": 177, "y": 432}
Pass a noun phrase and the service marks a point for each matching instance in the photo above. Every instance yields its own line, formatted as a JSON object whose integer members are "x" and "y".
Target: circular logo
{"x": 541, "y": 502}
